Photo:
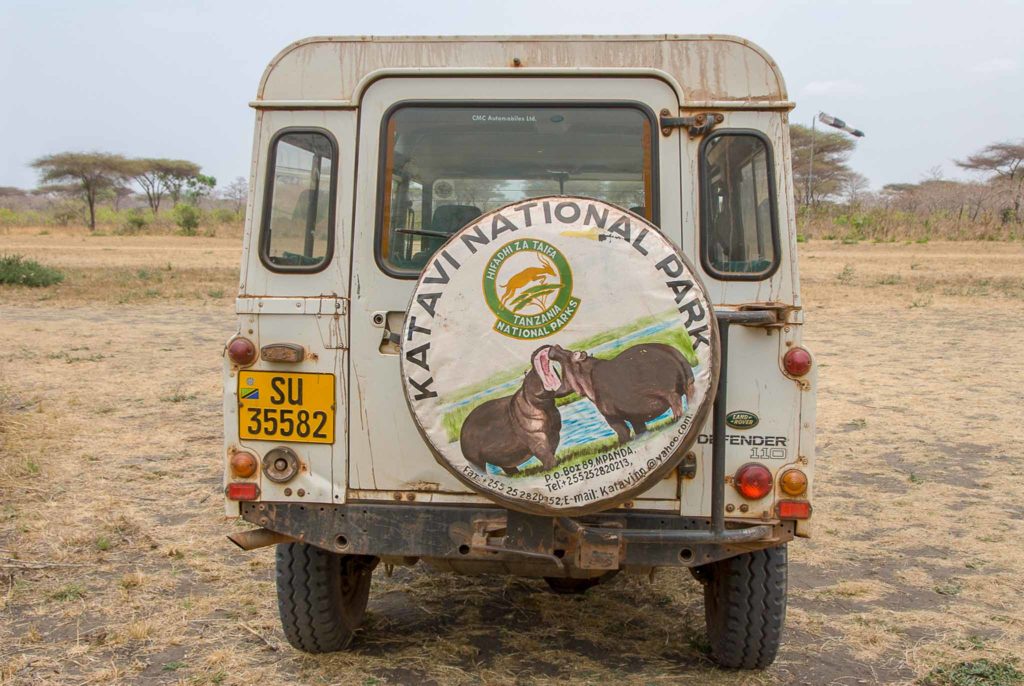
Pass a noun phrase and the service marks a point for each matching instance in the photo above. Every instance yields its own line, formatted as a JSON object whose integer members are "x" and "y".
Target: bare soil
{"x": 114, "y": 567}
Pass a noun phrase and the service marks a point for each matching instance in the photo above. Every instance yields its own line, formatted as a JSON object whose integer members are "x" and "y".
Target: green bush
{"x": 16, "y": 270}
{"x": 187, "y": 218}
{"x": 10, "y": 217}
{"x": 223, "y": 215}
{"x": 68, "y": 212}
{"x": 134, "y": 222}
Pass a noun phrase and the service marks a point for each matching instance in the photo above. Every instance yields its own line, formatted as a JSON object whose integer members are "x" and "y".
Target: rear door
{"x": 434, "y": 154}
{"x": 293, "y": 299}
{"x": 745, "y": 247}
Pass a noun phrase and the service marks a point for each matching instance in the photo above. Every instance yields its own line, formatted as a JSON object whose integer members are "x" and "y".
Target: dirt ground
{"x": 114, "y": 567}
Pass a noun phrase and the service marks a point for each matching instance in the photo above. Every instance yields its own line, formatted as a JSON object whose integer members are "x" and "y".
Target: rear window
{"x": 299, "y": 210}
{"x": 444, "y": 166}
{"x": 740, "y": 234}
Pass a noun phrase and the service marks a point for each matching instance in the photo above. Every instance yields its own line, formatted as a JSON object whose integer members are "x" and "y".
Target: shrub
{"x": 187, "y": 218}
{"x": 8, "y": 217}
{"x": 223, "y": 215}
{"x": 67, "y": 212}
{"x": 134, "y": 222}
{"x": 16, "y": 270}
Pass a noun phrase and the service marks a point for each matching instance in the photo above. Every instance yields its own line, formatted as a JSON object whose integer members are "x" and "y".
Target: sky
{"x": 927, "y": 81}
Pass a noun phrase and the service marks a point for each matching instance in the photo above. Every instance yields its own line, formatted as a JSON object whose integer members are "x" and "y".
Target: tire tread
{"x": 310, "y": 600}
{"x": 745, "y": 608}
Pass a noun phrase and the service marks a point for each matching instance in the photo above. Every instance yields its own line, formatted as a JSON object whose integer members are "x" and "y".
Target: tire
{"x": 321, "y": 596}
{"x": 745, "y": 607}
{"x": 568, "y": 586}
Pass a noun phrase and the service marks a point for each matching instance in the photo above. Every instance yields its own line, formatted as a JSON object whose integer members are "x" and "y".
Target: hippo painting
{"x": 636, "y": 386}
{"x": 506, "y": 431}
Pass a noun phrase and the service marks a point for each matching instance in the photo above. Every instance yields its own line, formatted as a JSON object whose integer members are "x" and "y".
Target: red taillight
{"x": 794, "y": 509}
{"x": 241, "y": 351}
{"x": 796, "y": 361}
{"x": 243, "y": 491}
{"x": 753, "y": 481}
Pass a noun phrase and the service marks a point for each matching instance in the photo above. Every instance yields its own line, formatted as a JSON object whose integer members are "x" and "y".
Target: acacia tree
{"x": 198, "y": 187}
{"x": 157, "y": 176}
{"x": 177, "y": 181}
{"x": 87, "y": 175}
{"x": 1004, "y": 162}
{"x": 832, "y": 152}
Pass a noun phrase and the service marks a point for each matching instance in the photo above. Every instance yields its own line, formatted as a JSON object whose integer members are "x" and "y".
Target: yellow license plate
{"x": 280, "y": 406}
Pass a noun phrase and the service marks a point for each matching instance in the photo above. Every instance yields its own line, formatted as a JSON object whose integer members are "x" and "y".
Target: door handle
{"x": 390, "y": 322}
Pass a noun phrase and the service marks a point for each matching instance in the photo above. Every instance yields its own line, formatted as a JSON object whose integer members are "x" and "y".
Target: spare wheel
{"x": 560, "y": 355}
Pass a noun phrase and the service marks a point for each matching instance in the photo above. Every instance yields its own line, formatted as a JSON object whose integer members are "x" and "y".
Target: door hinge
{"x": 696, "y": 126}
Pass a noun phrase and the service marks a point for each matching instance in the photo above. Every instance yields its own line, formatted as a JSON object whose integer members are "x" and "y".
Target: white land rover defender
{"x": 525, "y": 306}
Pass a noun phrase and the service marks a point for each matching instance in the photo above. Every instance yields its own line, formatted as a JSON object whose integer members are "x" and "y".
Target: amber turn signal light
{"x": 241, "y": 351}
{"x": 794, "y": 509}
{"x": 796, "y": 361}
{"x": 243, "y": 464}
{"x": 793, "y": 482}
{"x": 753, "y": 481}
{"x": 243, "y": 491}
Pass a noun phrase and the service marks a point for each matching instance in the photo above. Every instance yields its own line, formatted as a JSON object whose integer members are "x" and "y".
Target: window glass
{"x": 445, "y": 166}
{"x": 296, "y": 225}
{"x": 739, "y": 208}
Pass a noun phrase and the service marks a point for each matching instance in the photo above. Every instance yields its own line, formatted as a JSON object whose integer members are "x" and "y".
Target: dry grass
{"x": 121, "y": 270}
{"x": 115, "y": 569}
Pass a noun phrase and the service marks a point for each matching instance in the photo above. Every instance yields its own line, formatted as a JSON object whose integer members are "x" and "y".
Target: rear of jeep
{"x": 371, "y": 157}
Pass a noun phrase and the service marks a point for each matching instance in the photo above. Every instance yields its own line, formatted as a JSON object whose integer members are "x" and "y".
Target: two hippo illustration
{"x": 636, "y": 386}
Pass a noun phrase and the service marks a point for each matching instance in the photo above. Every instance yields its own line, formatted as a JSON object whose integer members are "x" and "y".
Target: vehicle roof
{"x": 705, "y": 70}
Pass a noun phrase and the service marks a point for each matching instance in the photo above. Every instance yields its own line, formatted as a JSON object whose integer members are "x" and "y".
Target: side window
{"x": 298, "y": 212}
{"x": 739, "y": 228}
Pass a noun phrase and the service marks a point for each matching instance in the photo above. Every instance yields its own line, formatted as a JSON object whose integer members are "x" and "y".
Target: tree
{"x": 854, "y": 187}
{"x": 237, "y": 192}
{"x": 1005, "y": 163}
{"x": 176, "y": 183}
{"x": 118, "y": 193}
{"x": 86, "y": 175}
{"x": 198, "y": 187}
{"x": 158, "y": 176}
{"x": 831, "y": 155}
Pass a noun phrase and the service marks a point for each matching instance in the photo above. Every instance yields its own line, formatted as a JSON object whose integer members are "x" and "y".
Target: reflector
{"x": 794, "y": 509}
{"x": 243, "y": 491}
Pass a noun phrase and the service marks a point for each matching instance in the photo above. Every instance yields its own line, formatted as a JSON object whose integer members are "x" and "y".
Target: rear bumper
{"x": 605, "y": 541}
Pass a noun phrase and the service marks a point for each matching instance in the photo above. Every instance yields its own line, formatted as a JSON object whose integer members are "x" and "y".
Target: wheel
{"x": 745, "y": 607}
{"x": 321, "y": 596}
{"x": 569, "y": 586}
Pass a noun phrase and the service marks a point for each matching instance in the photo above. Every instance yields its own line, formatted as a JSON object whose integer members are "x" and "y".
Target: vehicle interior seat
{"x": 451, "y": 218}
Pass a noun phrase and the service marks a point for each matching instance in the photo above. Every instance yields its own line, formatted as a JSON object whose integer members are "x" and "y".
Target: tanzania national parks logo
{"x": 528, "y": 286}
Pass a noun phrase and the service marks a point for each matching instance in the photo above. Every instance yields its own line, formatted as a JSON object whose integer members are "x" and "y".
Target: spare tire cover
{"x": 559, "y": 355}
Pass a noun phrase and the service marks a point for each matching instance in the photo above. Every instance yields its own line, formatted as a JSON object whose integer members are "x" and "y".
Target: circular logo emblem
{"x": 560, "y": 356}
{"x": 443, "y": 190}
{"x": 528, "y": 286}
